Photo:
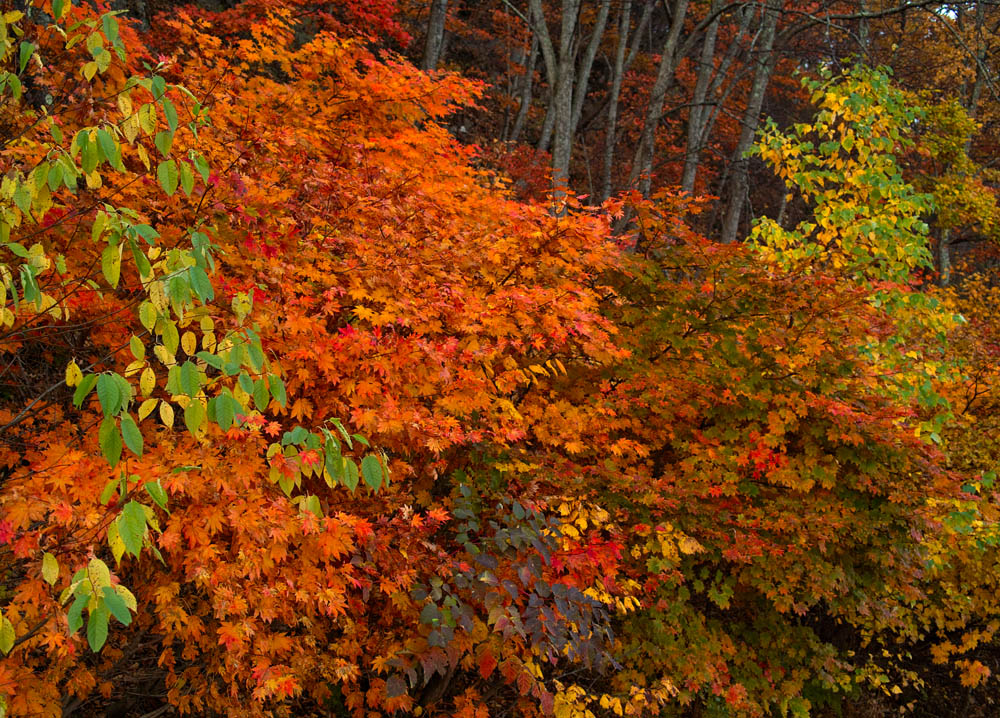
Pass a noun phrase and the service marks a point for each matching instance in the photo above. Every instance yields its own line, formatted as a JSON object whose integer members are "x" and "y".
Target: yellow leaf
{"x": 50, "y": 569}
{"x": 147, "y": 381}
{"x": 127, "y": 597}
{"x": 73, "y": 374}
{"x": 689, "y": 545}
{"x": 158, "y": 295}
{"x": 163, "y": 355}
{"x": 167, "y": 414}
{"x": 146, "y": 408}
{"x": 130, "y": 128}
{"x": 115, "y": 542}
{"x": 189, "y": 343}
{"x": 133, "y": 368}
{"x": 124, "y": 104}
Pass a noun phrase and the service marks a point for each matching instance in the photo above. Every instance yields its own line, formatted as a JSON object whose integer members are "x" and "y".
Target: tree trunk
{"x": 710, "y": 111}
{"x": 624, "y": 20}
{"x": 864, "y": 33}
{"x": 738, "y": 176}
{"x": 526, "y": 87}
{"x": 586, "y": 64}
{"x": 944, "y": 259}
{"x": 560, "y": 69}
{"x": 698, "y": 114}
{"x": 434, "y": 46}
{"x": 642, "y": 164}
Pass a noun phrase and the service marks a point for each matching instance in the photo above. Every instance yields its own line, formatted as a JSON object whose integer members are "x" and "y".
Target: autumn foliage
{"x": 306, "y": 413}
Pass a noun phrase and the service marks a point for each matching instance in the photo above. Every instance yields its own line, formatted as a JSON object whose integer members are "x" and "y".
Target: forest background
{"x": 514, "y": 357}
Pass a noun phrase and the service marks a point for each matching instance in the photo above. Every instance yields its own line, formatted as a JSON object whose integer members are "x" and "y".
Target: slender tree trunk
{"x": 526, "y": 87}
{"x": 560, "y": 67}
{"x": 699, "y": 113}
{"x": 738, "y": 184}
{"x": 971, "y": 106}
{"x": 944, "y": 259}
{"x": 548, "y": 124}
{"x": 624, "y": 20}
{"x": 864, "y": 33}
{"x": 434, "y": 46}
{"x": 586, "y": 65}
{"x": 710, "y": 112}
{"x": 642, "y": 164}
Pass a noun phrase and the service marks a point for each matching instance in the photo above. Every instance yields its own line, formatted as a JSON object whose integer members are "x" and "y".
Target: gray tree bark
{"x": 699, "y": 113}
{"x": 642, "y": 164}
{"x": 434, "y": 45}
{"x": 587, "y": 64}
{"x": 526, "y": 88}
{"x": 560, "y": 70}
{"x": 617, "y": 75}
{"x": 738, "y": 181}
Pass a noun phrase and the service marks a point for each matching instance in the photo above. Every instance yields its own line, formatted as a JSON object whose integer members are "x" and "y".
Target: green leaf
{"x": 26, "y": 50}
{"x": 75, "y": 613}
{"x": 277, "y": 387}
{"x": 157, "y": 493}
{"x": 350, "y": 474}
{"x": 312, "y": 504}
{"x": 371, "y": 469}
{"x": 164, "y": 140}
{"x": 190, "y": 383}
{"x": 225, "y": 411}
{"x": 97, "y": 628}
{"x": 84, "y": 388}
{"x": 211, "y": 359}
{"x": 89, "y": 155}
{"x": 22, "y": 198}
{"x": 110, "y": 25}
{"x": 146, "y": 232}
{"x": 110, "y": 441}
{"x": 201, "y": 284}
{"x": 111, "y": 264}
{"x": 116, "y": 605}
{"x": 201, "y": 165}
{"x": 108, "y": 148}
{"x": 167, "y": 175}
{"x": 194, "y": 416}
{"x": 132, "y": 526}
{"x": 256, "y": 355}
{"x": 109, "y": 394}
{"x": 260, "y": 394}
{"x": 132, "y": 435}
{"x": 170, "y": 113}
{"x": 108, "y": 490}
{"x": 245, "y": 382}
{"x": 171, "y": 338}
{"x": 295, "y": 436}
{"x": 158, "y": 86}
{"x": 187, "y": 178}
{"x": 55, "y": 177}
